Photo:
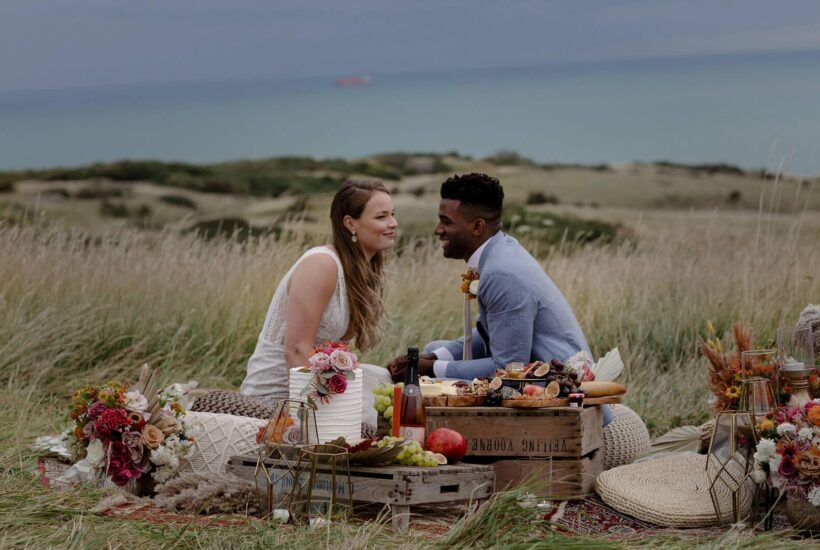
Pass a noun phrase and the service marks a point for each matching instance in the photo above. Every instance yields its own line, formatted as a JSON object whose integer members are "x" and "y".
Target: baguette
{"x": 602, "y": 389}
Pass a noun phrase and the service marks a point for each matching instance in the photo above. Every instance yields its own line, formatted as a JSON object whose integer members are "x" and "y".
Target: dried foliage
{"x": 200, "y": 494}
{"x": 724, "y": 367}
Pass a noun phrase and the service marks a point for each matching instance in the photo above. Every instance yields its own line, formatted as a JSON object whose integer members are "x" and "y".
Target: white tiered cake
{"x": 342, "y": 417}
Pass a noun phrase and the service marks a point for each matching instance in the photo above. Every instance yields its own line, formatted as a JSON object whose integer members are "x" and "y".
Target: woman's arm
{"x": 311, "y": 287}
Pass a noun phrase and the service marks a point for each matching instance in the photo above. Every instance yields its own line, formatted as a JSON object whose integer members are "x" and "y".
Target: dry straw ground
{"x": 75, "y": 308}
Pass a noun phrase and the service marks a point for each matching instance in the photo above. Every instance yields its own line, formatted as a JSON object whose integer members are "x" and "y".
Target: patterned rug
{"x": 590, "y": 517}
{"x": 595, "y": 518}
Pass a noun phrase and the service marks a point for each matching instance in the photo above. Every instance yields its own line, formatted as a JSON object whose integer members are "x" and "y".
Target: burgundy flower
{"x": 124, "y": 475}
{"x": 110, "y": 421}
{"x": 96, "y": 409}
{"x": 337, "y": 383}
{"x": 787, "y": 468}
{"x": 137, "y": 421}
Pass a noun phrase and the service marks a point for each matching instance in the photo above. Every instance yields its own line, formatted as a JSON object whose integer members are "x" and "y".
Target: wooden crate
{"x": 556, "y": 448}
{"x": 554, "y": 478}
{"x": 523, "y": 433}
{"x": 399, "y": 486}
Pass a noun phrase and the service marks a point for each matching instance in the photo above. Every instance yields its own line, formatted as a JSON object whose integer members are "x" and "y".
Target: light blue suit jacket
{"x": 524, "y": 315}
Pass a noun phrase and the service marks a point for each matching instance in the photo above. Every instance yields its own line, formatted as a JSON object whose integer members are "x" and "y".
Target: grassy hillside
{"x": 88, "y": 296}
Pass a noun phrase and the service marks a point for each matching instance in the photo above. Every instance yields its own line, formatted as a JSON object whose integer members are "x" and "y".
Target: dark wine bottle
{"x": 413, "y": 421}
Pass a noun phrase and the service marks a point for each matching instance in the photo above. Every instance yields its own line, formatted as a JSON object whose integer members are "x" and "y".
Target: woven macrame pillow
{"x": 672, "y": 491}
{"x": 218, "y": 438}
{"x": 231, "y": 402}
{"x": 625, "y": 437}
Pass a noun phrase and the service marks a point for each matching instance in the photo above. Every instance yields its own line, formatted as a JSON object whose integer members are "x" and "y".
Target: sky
{"x": 53, "y": 44}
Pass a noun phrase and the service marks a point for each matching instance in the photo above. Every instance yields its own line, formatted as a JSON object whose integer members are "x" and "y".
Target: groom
{"x": 523, "y": 316}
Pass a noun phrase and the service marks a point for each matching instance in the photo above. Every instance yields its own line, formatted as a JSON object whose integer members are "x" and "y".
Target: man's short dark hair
{"x": 481, "y": 192}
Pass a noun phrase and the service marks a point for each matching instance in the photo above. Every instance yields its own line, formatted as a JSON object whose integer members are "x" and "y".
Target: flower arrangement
{"x": 726, "y": 370}
{"x": 332, "y": 365}
{"x": 788, "y": 453}
{"x": 125, "y": 435}
{"x": 469, "y": 283}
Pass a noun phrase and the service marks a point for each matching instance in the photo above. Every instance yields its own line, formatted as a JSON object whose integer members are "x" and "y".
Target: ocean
{"x": 754, "y": 111}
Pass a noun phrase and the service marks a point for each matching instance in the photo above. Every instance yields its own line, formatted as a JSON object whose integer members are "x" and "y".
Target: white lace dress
{"x": 267, "y": 373}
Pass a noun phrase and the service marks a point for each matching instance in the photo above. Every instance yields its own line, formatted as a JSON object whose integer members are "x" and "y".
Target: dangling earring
{"x": 354, "y": 238}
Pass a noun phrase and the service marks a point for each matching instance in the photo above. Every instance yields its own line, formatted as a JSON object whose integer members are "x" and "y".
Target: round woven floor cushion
{"x": 625, "y": 437}
{"x": 231, "y": 402}
{"x": 672, "y": 491}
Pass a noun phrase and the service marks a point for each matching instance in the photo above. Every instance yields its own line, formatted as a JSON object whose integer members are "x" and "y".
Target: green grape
{"x": 388, "y": 412}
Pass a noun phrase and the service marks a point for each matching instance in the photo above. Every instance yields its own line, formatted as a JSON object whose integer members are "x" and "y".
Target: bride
{"x": 333, "y": 292}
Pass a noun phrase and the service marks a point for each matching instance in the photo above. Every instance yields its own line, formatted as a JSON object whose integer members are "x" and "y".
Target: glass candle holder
{"x": 757, "y": 397}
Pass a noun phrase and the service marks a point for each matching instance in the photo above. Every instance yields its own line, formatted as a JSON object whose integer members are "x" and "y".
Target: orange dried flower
{"x": 814, "y": 416}
{"x": 274, "y": 435}
{"x": 765, "y": 425}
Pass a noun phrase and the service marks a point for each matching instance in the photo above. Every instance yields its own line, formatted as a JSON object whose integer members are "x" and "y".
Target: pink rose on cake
{"x": 343, "y": 361}
{"x": 319, "y": 362}
{"x": 333, "y": 366}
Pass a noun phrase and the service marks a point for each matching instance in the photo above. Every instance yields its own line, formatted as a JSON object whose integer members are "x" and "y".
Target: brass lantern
{"x": 729, "y": 465}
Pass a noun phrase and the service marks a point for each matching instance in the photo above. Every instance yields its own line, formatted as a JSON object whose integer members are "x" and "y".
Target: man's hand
{"x": 398, "y": 368}
{"x": 426, "y": 362}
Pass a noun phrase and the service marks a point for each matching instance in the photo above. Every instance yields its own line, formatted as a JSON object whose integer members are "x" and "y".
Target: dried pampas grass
{"x": 198, "y": 494}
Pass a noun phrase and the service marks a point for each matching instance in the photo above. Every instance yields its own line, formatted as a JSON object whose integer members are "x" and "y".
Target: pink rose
{"x": 337, "y": 383}
{"x": 797, "y": 492}
{"x": 132, "y": 440}
{"x": 343, "y": 361}
{"x": 292, "y": 435}
{"x": 319, "y": 362}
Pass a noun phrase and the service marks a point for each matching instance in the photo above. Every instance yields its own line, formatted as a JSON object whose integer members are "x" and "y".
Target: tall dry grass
{"x": 75, "y": 309}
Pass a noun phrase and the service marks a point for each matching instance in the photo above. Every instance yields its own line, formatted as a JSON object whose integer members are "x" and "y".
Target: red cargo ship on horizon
{"x": 352, "y": 81}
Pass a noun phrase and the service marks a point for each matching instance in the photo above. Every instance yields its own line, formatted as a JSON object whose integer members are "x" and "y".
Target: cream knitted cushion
{"x": 625, "y": 437}
{"x": 672, "y": 491}
{"x": 218, "y": 438}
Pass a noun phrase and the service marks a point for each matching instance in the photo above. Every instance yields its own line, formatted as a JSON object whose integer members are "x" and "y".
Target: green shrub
{"x": 540, "y": 198}
{"x": 179, "y": 200}
{"x": 551, "y": 229}
{"x": 113, "y": 209}
{"x": 98, "y": 192}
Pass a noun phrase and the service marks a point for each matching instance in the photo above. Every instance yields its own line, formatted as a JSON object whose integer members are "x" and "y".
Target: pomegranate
{"x": 447, "y": 442}
{"x": 532, "y": 389}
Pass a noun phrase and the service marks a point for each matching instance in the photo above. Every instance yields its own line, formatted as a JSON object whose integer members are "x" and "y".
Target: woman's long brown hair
{"x": 364, "y": 280}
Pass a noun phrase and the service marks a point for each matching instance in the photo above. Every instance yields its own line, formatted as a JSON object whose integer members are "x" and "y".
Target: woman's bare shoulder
{"x": 318, "y": 268}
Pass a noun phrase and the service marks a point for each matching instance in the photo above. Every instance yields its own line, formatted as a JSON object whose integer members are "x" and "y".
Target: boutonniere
{"x": 469, "y": 283}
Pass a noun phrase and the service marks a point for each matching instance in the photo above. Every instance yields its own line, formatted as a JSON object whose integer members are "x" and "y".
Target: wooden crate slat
{"x": 568, "y": 478}
{"x": 504, "y": 432}
{"x": 397, "y": 485}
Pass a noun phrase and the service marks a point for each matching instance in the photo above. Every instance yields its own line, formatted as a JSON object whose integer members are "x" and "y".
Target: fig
{"x": 553, "y": 389}
{"x": 542, "y": 370}
{"x": 496, "y": 383}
